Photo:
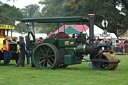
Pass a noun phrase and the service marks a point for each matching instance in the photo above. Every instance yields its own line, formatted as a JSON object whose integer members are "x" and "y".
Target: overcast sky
{"x": 21, "y": 3}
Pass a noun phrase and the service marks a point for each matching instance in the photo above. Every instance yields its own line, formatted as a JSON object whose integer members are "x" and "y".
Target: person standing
{"x": 110, "y": 42}
{"x": 6, "y": 52}
{"x": 122, "y": 46}
{"x": 126, "y": 46}
{"x": 27, "y": 50}
{"x": 21, "y": 58}
{"x": 40, "y": 40}
{"x": 117, "y": 46}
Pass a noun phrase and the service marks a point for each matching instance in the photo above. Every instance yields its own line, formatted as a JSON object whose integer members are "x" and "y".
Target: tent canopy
{"x": 70, "y": 30}
{"x": 99, "y": 32}
{"x": 80, "y": 28}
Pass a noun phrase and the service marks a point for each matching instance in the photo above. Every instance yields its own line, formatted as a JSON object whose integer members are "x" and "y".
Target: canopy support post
{"x": 58, "y": 27}
{"x": 11, "y": 33}
{"x": 33, "y": 27}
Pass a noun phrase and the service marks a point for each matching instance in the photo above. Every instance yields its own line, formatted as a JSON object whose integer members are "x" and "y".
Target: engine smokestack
{"x": 91, "y": 28}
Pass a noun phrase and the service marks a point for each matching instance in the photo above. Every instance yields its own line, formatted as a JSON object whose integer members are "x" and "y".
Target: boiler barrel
{"x": 83, "y": 49}
{"x": 80, "y": 49}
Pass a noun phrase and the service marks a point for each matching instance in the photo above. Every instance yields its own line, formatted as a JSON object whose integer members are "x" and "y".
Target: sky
{"x": 21, "y": 3}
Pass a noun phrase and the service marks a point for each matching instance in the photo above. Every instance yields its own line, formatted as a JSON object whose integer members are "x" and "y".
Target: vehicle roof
{"x": 57, "y": 19}
{"x": 4, "y": 26}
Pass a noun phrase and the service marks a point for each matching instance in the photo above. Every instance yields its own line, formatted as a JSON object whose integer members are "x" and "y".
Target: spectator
{"x": 27, "y": 52}
{"x": 126, "y": 46}
{"x": 110, "y": 41}
{"x": 6, "y": 52}
{"x": 114, "y": 46}
{"x": 117, "y": 45}
{"x": 40, "y": 40}
{"x": 37, "y": 42}
{"x": 122, "y": 46}
{"x": 110, "y": 44}
{"x": 21, "y": 58}
{"x": 103, "y": 41}
{"x": 73, "y": 36}
{"x": 81, "y": 38}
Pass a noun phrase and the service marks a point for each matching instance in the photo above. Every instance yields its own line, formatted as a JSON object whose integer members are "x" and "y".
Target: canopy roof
{"x": 57, "y": 19}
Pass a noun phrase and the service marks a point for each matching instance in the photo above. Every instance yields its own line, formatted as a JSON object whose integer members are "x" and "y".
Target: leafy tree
{"x": 4, "y": 19}
{"x": 21, "y": 27}
{"x": 30, "y": 10}
{"x": 103, "y": 10}
{"x": 12, "y": 12}
{"x": 52, "y": 8}
{"x": 9, "y": 14}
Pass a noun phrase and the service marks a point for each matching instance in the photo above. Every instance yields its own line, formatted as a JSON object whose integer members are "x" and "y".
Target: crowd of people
{"x": 119, "y": 46}
{"x": 23, "y": 50}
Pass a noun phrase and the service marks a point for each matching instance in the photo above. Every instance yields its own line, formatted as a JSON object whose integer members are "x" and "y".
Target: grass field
{"x": 80, "y": 74}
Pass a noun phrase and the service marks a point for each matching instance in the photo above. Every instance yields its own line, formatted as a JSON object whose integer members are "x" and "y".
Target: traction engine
{"x": 57, "y": 52}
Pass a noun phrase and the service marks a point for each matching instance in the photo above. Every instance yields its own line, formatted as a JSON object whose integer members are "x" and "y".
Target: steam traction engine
{"x": 58, "y": 52}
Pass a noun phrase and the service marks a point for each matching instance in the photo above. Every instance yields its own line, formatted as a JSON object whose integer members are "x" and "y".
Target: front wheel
{"x": 107, "y": 62}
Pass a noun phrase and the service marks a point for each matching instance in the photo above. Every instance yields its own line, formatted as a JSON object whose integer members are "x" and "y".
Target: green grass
{"x": 80, "y": 74}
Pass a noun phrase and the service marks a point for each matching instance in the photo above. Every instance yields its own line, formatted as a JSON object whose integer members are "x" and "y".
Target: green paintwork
{"x": 71, "y": 57}
{"x": 61, "y": 42}
{"x": 50, "y": 40}
{"x": 70, "y": 60}
{"x": 70, "y": 48}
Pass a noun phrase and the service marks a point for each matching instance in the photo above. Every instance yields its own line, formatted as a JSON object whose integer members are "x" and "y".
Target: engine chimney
{"x": 91, "y": 28}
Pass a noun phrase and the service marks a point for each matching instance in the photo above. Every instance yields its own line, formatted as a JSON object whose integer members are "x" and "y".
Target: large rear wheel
{"x": 45, "y": 56}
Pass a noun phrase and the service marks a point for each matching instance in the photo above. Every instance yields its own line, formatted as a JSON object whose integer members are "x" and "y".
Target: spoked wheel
{"x": 45, "y": 56}
{"x": 108, "y": 62}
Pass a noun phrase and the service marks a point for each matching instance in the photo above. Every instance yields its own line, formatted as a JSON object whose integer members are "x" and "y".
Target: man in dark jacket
{"x": 21, "y": 58}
